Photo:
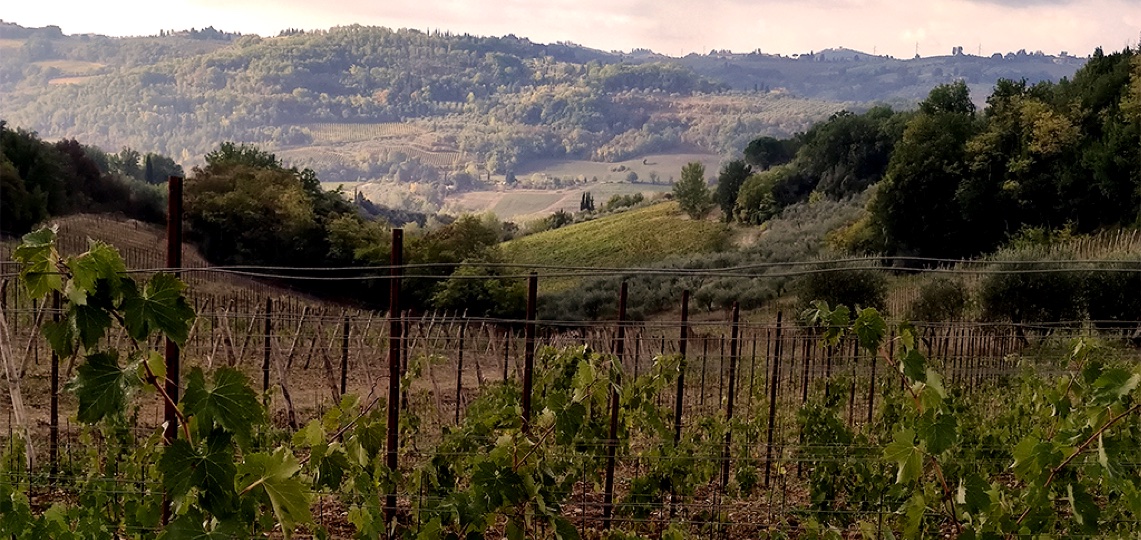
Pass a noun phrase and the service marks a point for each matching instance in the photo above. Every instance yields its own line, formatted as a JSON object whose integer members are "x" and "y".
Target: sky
{"x": 900, "y": 28}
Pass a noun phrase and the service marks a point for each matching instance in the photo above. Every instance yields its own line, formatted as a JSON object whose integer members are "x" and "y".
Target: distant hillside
{"x": 442, "y": 110}
{"x": 639, "y": 237}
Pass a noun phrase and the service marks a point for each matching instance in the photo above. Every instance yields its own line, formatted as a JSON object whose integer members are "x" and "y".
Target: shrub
{"x": 852, "y": 287}
{"x": 940, "y": 299}
{"x": 1113, "y": 298}
{"x": 1032, "y": 297}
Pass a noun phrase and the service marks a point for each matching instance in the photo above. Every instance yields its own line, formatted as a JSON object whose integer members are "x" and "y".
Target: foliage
{"x": 218, "y": 481}
{"x": 1067, "y": 475}
{"x": 692, "y": 191}
{"x": 41, "y": 180}
{"x": 1041, "y": 156}
{"x": 940, "y": 300}
{"x": 733, "y": 174}
{"x": 836, "y": 285}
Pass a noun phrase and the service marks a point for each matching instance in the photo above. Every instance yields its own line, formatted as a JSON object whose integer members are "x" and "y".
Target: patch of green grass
{"x": 635, "y": 238}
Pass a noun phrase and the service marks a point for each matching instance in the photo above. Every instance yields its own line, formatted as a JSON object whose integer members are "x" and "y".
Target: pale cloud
{"x": 895, "y": 27}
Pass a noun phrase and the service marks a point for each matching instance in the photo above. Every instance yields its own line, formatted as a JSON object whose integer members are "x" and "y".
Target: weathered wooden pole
{"x": 612, "y": 439}
{"x": 395, "y": 334}
{"x": 733, "y": 350}
{"x": 173, "y": 262}
{"x": 529, "y": 349}
{"x": 773, "y": 384}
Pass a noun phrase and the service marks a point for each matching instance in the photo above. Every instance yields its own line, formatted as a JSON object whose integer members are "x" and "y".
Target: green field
{"x": 522, "y": 205}
{"x": 665, "y": 165}
{"x": 630, "y": 239}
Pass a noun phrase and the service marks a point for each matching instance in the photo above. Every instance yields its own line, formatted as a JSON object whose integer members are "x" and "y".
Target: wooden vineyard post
{"x": 734, "y": 347}
{"x": 394, "y": 337}
{"x": 267, "y": 348}
{"x": 612, "y": 439}
{"x": 460, "y": 368}
{"x": 344, "y": 353}
{"x": 173, "y": 262}
{"x": 682, "y": 344}
{"x": 872, "y": 388}
{"x": 773, "y": 383}
{"x": 529, "y": 349}
{"x": 53, "y": 420}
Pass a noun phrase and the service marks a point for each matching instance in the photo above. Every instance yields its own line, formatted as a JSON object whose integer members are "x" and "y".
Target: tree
{"x": 916, "y": 204}
{"x": 692, "y": 193}
{"x": 733, "y": 175}
{"x": 766, "y": 152}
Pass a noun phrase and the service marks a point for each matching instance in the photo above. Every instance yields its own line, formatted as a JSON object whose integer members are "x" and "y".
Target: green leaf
{"x": 276, "y": 474}
{"x": 39, "y": 272}
{"x": 870, "y": 328}
{"x": 433, "y": 530}
{"x": 1033, "y": 459}
{"x": 91, "y": 324}
{"x": 100, "y": 262}
{"x": 906, "y": 455}
{"x": 565, "y": 530}
{"x": 914, "y": 365}
{"x": 229, "y": 402}
{"x": 192, "y": 526}
{"x": 101, "y": 387}
{"x": 939, "y": 433}
{"x": 913, "y": 510}
{"x": 1086, "y": 511}
{"x": 212, "y": 472}
{"x": 160, "y": 306}
{"x": 973, "y": 494}
{"x": 1114, "y": 384}
{"x": 514, "y": 531}
{"x": 61, "y": 336}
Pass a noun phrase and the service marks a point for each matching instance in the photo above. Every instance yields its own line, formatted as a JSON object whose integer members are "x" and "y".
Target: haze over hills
{"x": 447, "y": 111}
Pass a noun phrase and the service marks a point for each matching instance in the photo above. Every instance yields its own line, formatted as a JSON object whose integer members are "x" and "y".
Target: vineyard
{"x": 306, "y": 419}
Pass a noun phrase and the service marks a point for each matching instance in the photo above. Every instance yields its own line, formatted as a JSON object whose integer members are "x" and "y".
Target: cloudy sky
{"x": 896, "y": 27}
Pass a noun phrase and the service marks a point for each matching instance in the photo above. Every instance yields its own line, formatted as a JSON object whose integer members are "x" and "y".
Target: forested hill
{"x": 363, "y": 103}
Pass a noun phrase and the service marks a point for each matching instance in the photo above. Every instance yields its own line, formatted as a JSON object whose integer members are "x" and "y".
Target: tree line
{"x": 949, "y": 180}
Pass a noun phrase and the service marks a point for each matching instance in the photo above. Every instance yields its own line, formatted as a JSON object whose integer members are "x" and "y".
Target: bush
{"x": 1113, "y": 298}
{"x": 855, "y": 288}
{"x": 1033, "y": 297}
{"x": 940, "y": 299}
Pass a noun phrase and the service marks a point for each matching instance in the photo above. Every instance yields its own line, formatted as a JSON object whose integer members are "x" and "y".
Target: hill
{"x": 143, "y": 246}
{"x": 638, "y": 237}
{"x": 446, "y": 111}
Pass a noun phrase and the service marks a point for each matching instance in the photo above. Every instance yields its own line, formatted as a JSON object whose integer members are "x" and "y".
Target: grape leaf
{"x": 192, "y": 526}
{"x": 870, "y": 328}
{"x": 973, "y": 493}
{"x": 1086, "y": 511}
{"x": 61, "y": 336}
{"x": 906, "y": 455}
{"x": 91, "y": 324}
{"x": 39, "y": 257}
{"x": 101, "y": 386}
{"x": 276, "y": 474}
{"x": 160, "y": 306}
{"x": 100, "y": 262}
{"x": 939, "y": 433}
{"x": 914, "y": 366}
{"x": 229, "y": 402}
{"x": 182, "y": 467}
{"x": 1113, "y": 384}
